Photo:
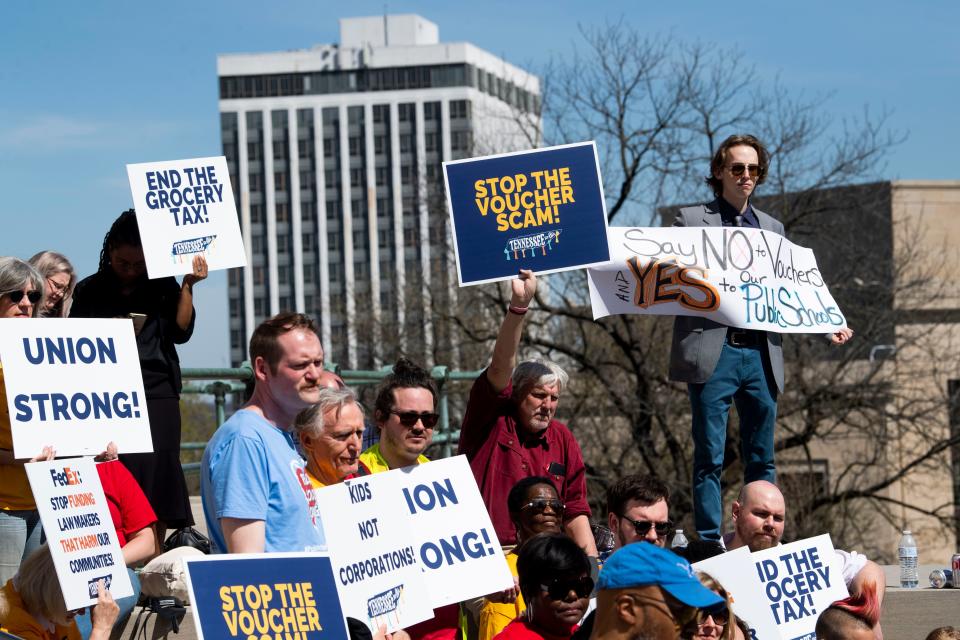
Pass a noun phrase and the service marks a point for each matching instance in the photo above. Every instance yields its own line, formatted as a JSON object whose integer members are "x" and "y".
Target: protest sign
{"x": 740, "y": 277}
{"x": 454, "y": 540}
{"x": 79, "y": 530}
{"x": 541, "y": 209}
{"x": 799, "y": 581}
{"x": 373, "y": 554}
{"x": 74, "y": 384}
{"x": 186, "y": 208}
{"x": 273, "y": 596}
{"x": 733, "y": 571}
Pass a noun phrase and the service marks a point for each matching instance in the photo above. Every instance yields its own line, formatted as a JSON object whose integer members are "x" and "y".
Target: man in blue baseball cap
{"x": 648, "y": 593}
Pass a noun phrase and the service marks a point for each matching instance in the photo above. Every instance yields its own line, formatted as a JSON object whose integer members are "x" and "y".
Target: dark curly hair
{"x": 123, "y": 231}
{"x": 720, "y": 159}
{"x": 406, "y": 374}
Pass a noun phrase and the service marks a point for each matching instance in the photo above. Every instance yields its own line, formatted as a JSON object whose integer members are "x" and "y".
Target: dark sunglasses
{"x": 409, "y": 419}
{"x": 541, "y": 504}
{"x": 720, "y": 618}
{"x": 738, "y": 168}
{"x": 560, "y": 588}
{"x": 643, "y": 526}
{"x": 17, "y": 295}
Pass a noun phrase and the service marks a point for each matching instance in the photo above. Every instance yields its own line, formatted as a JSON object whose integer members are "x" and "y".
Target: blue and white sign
{"x": 541, "y": 210}
{"x": 186, "y": 208}
{"x": 740, "y": 277}
{"x": 73, "y": 384}
{"x": 372, "y": 549}
{"x": 257, "y": 596}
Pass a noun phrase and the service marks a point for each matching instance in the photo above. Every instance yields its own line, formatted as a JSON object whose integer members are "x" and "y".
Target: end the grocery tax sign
{"x": 541, "y": 210}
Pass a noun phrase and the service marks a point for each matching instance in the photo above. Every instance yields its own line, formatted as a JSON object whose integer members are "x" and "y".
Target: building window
{"x": 286, "y": 304}
{"x": 380, "y": 144}
{"x": 307, "y": 211}
{"x": 329, "y": 147}
{"x": 406, "y": 143}
{"x": 305, "y": 148}
{"x": 430, "y": 141}
{"x": 333, "y": 240}
{"x": 308, "y": 242}
{"x": 253, "y": 151}
{"x": 283, "y": 274}
{"x": 258, "y": 276}
{"x": 256, "y": 244}
{"x": 460, "y": 141}
{"x": 280, "y": 181}
{"x": 306, "y": 178}
{"x": 256, "y": 213}
{"x": 381, "y": 113}
{"x": 331, "y": 177}
{"x": 283, "y": 212}
{"x": 308, "y": 273}
{"x": 256, "y": 182}
{"x": 333, "y": 209}
{"x": 283, "y": 243}
{"x": 356, "y": 177}
{"x": 459, "y": 109}
{"x": 279, "y": 149}
{"x": 382, "y": 176}
{"x": 356, "y": 148}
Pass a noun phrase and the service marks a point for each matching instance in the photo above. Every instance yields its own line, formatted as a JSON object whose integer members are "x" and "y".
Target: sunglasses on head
{"x": 409, "y": 419}
{"x": 17, "y": 295}
{"x": 643, "y": 526}
{"x": 720, "y": 618}
{"x": 560, "y": 588}
{"x": 541, "y": 504}
{"x": 738, "y": 168}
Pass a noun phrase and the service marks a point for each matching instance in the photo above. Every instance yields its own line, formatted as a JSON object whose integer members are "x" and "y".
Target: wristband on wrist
{"x": 519, "y": 311}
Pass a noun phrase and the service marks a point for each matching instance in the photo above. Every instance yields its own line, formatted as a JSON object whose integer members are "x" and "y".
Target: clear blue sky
{"x": 87, "y": 87}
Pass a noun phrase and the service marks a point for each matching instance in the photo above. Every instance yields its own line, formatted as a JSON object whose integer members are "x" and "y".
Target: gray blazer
{"x": 697, "y": 341}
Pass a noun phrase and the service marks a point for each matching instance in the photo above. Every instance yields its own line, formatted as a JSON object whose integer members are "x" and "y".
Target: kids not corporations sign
{"x": 740, "y": 277}
{"x": 80, "y": 533}
{"x": 373, "y": 553}
{"x": 186, "y": 208}
{"x": 74, "y": 384}
{"x": 542, "y": 210}
{"x": 275, "y": 596}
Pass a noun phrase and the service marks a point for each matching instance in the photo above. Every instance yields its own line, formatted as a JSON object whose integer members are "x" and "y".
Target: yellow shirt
{"x": 18, "y": 621}
{"x": 374, "y": 461}
{"x": 15, "y": 493}
{"x": 495, "y": 616}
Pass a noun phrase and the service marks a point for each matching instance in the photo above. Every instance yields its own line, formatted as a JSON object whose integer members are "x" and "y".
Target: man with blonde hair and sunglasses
{"x": 723, "y": 365}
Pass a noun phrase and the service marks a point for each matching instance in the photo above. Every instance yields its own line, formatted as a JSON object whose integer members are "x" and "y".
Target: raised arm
{"x": 185, "y": 302}
{"x": 508, "y": 340}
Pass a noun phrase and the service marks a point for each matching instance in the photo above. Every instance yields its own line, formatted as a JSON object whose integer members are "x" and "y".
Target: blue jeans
{"x": 742, "y": 376}
{"x": 85, "y": 625}
{"x": 20, "y": 535}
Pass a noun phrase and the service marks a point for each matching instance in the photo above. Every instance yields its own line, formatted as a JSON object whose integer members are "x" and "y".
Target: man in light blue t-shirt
{"x": 254, "y": 482}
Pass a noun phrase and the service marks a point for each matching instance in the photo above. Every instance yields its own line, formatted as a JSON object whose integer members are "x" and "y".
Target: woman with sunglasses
{"x": 535, "y": 508}
{"x": 556, "y": 586}
{"x": 59, "y": 282}
{"x": 21, "y": 294}
{"x": 721, "y": 625}
{"x": 32, "y": 606}
{"x": 163, "y": 317}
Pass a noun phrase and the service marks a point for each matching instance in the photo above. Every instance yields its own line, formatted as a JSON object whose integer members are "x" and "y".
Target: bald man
{"x": 330, "y": 380}
{"x": 759, "y": 513}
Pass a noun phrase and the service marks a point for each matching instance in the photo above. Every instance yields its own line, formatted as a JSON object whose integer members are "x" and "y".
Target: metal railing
{"x": 224, "y": 381}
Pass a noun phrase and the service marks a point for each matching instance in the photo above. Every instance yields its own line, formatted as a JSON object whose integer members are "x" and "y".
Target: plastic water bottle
{"x": 907, "y": 550}
{"x": 679, "y": 540}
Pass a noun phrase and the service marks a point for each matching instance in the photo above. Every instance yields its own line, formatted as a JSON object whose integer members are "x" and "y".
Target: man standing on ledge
{"x": 722, "y": 364}
{"x": 509, "y": 432}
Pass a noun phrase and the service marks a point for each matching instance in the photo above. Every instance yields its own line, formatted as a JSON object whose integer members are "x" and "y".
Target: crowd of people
{"x": 303, "y": 429}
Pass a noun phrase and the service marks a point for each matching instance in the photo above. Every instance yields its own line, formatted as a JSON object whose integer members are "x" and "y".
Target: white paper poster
{"x": 372, "y": 551}
{"x": 186, "y": 208}
{"x": 740, "y": 277}
{"x": 734, "y": 571}
{"x": 80, "y": 533}
{"x": 74, "y": 384}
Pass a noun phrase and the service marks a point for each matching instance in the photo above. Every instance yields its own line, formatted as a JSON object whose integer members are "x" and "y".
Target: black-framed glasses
{"x": 720, "y": 618}
{"x": 17, "y": 295}
{"x": 560, "y": 588}
{"x": 643, "y": 526}
{"x": 541, "y": 504}
{"x": 738, "y": 168}
{"x": 409, "y": 419}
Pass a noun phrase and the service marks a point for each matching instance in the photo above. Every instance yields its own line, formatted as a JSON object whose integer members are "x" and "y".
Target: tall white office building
{"x": 335, "y": 155}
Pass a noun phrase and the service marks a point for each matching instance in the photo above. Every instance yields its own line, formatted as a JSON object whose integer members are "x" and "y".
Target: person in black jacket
{"x": 163, "y": 316}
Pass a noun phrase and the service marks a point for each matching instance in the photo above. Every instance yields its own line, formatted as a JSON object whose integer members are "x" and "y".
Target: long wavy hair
{"x": 49, "y": 264}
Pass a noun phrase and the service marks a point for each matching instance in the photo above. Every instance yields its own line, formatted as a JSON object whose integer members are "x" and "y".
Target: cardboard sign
{"x": 541, "y": 209}
{"x": 79, "y": 530}
{"x": 273, "y": 596}
{"x": 799, "y": 581}
{"x": 372, "y": 551}
{"x": 740, "y": 277}
{"x": 185, "y": 208}
{"x": 733, "y": 571}
{"x": 74, "y": 384}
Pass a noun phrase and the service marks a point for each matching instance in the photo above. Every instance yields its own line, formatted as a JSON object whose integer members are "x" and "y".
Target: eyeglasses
{"x": 720, "y": 618}
{"x": 409, "y": 419}
{"x": 738, "y": 168}
{"x": 560, "y": 588}
{"x": 541, "y": 504}
{"x": 57, "y": 287}
{"x": 643, "y": 526}
{"x": 17, "y": 295}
